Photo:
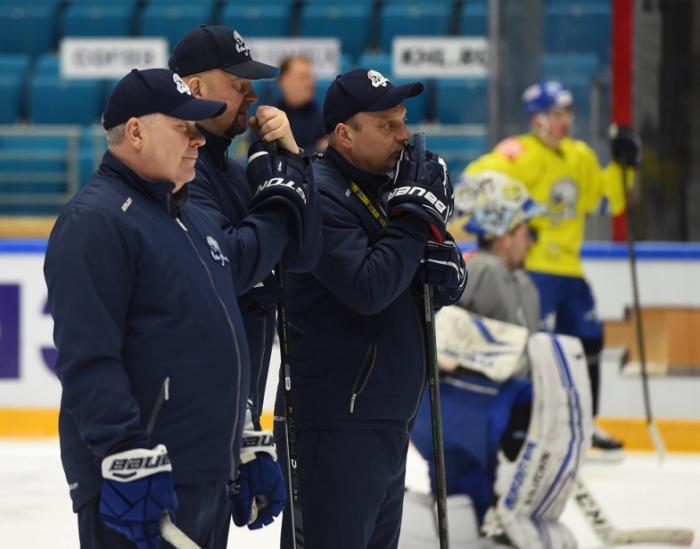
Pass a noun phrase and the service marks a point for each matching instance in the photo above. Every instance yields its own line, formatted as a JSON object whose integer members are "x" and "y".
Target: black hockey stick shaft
{"x": 295, "y": 517}
{"x": 639, "y": 329}
{"x": 294, "y": 493}
{"x": 434, "y": 388}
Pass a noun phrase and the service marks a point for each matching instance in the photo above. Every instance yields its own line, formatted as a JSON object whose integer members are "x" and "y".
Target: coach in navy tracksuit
{"x": 142, "y": 288}
{"x": 356, "y": 344}
{"x": 216, "y": 64}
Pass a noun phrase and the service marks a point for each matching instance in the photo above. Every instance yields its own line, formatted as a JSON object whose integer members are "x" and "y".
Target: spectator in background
{"x": 298, "y": 86}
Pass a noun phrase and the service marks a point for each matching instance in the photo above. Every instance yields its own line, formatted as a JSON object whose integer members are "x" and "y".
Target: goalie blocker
{"x": 512, "y": 444}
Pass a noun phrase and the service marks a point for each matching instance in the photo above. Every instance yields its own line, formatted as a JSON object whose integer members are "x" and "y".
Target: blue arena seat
{"x": 98, "y": 20}
{"x": 13, "y": 71}
{"x": 53, "y": 100}
{"x": 321, "y": 89}
{"x": 327, "y": 3}
{"x": 416, "y": 107}
{"x": 575, "y": 27}
{"x": 474, "y": 20}
{"x": 350, "y": 24}
{"x": 378, "y": 61}
{"x": 263, "y": 20}
{"x": 458, "y": 149}
{"x": 462, "y": 101}
{"x": 558, "y": 66}
{"x": 425, "y": 20}
{"x": 172, "y": 22}
{"x": 27, "y": 29}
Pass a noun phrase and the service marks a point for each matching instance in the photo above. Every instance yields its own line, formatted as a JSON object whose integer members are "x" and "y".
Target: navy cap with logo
{"x": 150, "y": 91}
{"x": 215, "y": 47}
{"x": 363, "y": 90}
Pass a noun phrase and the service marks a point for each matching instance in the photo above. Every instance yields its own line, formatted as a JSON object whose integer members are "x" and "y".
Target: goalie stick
{"x": 434, "y": 386}
{"x": 606, "y": 531}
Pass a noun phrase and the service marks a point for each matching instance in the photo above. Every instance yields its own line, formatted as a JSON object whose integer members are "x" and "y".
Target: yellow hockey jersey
{"x": 569, "y": 182}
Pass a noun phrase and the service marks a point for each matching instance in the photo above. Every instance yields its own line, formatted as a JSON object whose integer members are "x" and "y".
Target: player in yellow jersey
{"x": 564, "y": 174}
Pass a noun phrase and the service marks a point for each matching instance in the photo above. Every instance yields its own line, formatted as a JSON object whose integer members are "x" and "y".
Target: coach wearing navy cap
{"x": 151, "y": 346}
{"x": 357, "y": 353}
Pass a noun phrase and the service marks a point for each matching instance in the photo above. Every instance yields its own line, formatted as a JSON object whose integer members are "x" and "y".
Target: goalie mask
{"x": 494, "y": 203}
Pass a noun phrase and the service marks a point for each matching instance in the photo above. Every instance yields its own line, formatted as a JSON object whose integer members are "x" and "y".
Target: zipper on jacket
{"x": 363, "y": 375}
{"x": 233, "y": 334}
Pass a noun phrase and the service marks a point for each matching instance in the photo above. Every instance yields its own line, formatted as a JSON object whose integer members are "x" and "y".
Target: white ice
{"x": 35, "y": 508}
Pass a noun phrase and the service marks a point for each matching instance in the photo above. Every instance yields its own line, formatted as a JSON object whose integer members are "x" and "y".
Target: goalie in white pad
{"x": 525, "y": 421}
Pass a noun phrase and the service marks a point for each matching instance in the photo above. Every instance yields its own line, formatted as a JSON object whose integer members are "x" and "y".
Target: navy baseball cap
{"x": 215, "y": 47}
{"x": 150, "y": 91}
{"x": 363, "y": 90}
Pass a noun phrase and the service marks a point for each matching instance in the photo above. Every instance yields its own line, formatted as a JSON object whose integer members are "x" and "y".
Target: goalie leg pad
{"x": 535, "y": 489}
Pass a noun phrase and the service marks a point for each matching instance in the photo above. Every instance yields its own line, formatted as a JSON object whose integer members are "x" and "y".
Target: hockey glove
{"x": 278, "y": 178}
{"x": 258, "y": 493}
{"x": 422, "y": 188}
{"x": 136, "y": 491}
{"x": 443, "y": 267}
{"x": 625, "y": 145}
{"x": 264, "y": 293}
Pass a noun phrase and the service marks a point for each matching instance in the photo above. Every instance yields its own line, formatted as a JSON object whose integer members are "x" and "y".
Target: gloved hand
{"x": 625, "y": 145}
{"x": 422, "y": 188}
{"x": 258, "y": 492}
{"x": 443, "y": 267}
{"x": 278, "y": 178}
{"x": 137, "y": 490}
{"x": 262, "y": 294}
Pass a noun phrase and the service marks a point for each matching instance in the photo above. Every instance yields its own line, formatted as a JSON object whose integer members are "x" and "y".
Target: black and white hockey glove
{"x": 422, "y": 188}
{"x": 443, "y": 268}
{"x": 280, "y": 178}
{"x": 625, "y": 145}
{"x": 257, "y": 490}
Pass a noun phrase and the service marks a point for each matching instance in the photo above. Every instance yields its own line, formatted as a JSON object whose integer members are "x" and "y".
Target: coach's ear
{"x": 343, "y": 135}
{"x": 195, "y": 85}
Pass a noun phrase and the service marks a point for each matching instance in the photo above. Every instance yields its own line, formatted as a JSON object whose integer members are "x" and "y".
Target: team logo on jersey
{"x": 377, "y": 79}
{"x": 216, "y": 252}
{"x": 240, "y": 44}
{"x": 181, "y": 86}
{"x": 562, "y": 201}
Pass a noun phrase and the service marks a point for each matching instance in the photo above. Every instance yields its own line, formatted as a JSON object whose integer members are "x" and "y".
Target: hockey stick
{"x": 606, "y": 531}
{"x": 168, "y": 530}
{"x": 434, "y": 383}
{"x": 295, "y": 519}
{"x": 653, "y": 431}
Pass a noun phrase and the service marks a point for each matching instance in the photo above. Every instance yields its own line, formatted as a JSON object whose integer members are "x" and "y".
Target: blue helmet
{"x": 543, "y": 96}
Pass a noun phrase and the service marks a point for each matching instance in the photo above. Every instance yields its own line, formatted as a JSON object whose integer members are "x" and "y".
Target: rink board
{"x": 30, "y": 391}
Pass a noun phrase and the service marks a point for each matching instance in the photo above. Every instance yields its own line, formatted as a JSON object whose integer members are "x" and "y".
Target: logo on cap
{"x": 181, "y": 86}
{"x": 377, "y": 78}
{"x": 240, "y": 44}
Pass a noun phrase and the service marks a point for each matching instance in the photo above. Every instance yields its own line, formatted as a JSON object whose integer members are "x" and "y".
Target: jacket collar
{"x": 160, "y": 191}
{"x": 372, "y": 184}
{"x": 216, "y": 146}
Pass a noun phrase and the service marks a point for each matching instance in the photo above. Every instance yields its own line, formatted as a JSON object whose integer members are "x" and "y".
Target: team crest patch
{"x": 562, "y": 201}
{"x": 511, "y": 148}
{"x": 377, "y": 78}
{"x": 181, "y": 86}
{"x": 240, "y": 44}
{"x": 216, "y": 252}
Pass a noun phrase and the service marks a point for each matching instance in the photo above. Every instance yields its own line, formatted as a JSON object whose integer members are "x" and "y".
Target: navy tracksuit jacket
{"x": 222, "y": 190}
{"x": 358, "y": 364}
{"x": 142, "y": 286}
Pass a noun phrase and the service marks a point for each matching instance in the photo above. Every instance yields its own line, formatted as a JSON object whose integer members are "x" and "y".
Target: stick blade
{"x": 669, "y": 536}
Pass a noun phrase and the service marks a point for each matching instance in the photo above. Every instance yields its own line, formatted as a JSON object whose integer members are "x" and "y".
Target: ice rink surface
{"x": 35, "y": 508}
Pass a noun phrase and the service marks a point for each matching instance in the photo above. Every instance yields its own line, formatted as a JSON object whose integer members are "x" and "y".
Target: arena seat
{"x": 263, "y": 20}
{"x": 461, "y": 101}
{"x": 173, "y": 21}
{"x": 349, "y": 23}
{"x": 578, "y": 27}
{"x": 474, "y": 20}
{"x": 378, "y": 61}
{"x": 27, "y": 29}
{"x": 13, "y": 71}
{"x": 414, "y": 20}
{"x": 98, "y": 20}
